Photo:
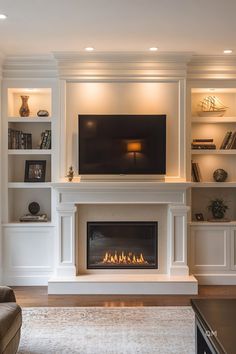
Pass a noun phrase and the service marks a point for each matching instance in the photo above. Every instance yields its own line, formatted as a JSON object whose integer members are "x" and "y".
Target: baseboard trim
{"x": 216, "y": 279}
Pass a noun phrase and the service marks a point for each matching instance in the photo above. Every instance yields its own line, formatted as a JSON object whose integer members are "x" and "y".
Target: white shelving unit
{"x": 32, "y": 242}
{"x": 212, "y": 245}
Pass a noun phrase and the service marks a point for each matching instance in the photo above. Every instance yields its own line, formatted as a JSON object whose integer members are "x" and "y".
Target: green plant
{"x": 218, "y": 208}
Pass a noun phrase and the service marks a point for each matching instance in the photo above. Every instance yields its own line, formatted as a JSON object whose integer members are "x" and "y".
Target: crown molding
{"x": 212, "y": 67}
{"x": 40, "y": 66}
{"x": 1, "y": 62}
{"x": 121, "y": 65}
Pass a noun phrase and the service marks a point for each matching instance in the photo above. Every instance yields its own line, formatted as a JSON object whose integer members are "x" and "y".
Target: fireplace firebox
{"x": 122, "y": 245}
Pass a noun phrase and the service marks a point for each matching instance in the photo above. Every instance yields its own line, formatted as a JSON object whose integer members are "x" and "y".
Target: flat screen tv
{"x": 122, "y": 144}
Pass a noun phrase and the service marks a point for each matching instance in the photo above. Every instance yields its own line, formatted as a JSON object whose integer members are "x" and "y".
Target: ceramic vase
{"x": 24, "y": 109}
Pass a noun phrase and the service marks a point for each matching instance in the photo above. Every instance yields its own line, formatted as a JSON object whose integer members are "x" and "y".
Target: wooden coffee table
{"x": 215, "y": 327}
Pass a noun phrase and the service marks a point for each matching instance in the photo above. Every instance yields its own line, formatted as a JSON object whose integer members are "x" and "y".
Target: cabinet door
{"x": 233, "y": 248}
{"x": 210, "y": 248}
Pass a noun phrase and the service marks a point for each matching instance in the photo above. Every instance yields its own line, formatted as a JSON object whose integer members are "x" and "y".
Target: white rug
{"x": 99, "y": 330}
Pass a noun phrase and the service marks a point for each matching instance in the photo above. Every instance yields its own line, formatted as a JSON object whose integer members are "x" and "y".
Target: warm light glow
{"x": 122, "y": 258}
{"x": 153, "y": 49}
{"x": 134, "y": 147}
{"x": 3, "y": 17}
{"x": 89, "y": 49}
{"x": 228, "y": 51}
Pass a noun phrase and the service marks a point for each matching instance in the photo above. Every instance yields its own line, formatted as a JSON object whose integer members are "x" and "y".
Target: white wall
{"x": 124, "y": 98}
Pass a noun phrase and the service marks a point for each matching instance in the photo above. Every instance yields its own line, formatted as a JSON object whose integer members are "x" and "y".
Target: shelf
{"x": 31, "y": 224}
{"x": 209, "y": 223}
{"x": 29, "y": 152}
{"x": 15, "y": 185}
{"x": 29, "y": 119}
{"x": 213, "y": 152}
{"x": 213, "y": 184}
{"x": 213, "y": 120}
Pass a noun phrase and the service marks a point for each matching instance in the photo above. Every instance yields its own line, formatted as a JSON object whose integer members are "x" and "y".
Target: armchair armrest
{"x": 7, "y": 294}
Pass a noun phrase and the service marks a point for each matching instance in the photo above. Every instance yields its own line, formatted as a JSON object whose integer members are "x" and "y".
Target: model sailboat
{"x": 212, "y": 106}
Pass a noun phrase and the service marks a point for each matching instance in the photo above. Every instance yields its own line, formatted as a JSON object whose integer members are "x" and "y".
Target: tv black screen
{"x": 122, "y": 144}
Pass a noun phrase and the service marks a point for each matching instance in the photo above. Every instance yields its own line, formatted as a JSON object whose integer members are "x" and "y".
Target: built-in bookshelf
{"x": 220, "y": 132}
{"x": 28, "y": 139}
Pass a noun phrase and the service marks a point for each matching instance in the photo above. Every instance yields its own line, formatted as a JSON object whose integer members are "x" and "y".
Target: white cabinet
{"x": 28, "y": 254}
{"x": 213, "y": 253}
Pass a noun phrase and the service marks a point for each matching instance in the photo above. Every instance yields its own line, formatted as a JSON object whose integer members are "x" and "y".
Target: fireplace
{"x": 122, "y": 245}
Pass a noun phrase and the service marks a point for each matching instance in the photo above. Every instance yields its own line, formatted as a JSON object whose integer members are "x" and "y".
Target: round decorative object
{"x": 42, "y": 113}
{"x": 220, "y": 175}
{"x": 34, "y": 208}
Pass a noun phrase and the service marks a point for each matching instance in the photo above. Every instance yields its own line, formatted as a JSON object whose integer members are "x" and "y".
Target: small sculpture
{"x": 70, "y": 174}
{"x": 211, "y": 106}
{"x": 220, "y": 175}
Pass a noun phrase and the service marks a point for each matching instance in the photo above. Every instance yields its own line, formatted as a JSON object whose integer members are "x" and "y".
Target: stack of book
{"x": 34, "y": 218}
{"x": 196, "y": 174}
{"x": 203, "y": 144}
{"x": 45, "y": 140}
{"x": 229, "y": 141}
{"x": 19, "y": 140}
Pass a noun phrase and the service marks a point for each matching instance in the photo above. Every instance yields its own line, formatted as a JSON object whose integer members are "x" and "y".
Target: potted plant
{"x": 218, "y": 208}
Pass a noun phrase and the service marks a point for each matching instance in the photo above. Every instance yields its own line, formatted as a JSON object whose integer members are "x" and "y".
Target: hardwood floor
{"x": 37, "y": 296}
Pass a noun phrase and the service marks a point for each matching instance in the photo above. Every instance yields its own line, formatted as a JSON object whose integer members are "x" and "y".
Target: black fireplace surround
{"x": 122, "y": 245}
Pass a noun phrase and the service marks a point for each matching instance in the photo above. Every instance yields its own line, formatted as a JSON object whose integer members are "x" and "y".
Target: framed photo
{"x": 35, "y": 170}
{"x": 199, "y": 217}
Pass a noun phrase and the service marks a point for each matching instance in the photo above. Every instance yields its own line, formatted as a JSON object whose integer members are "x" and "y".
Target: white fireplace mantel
{"x": 71, "y": 195}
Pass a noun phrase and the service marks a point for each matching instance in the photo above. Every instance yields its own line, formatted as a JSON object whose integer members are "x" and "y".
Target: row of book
{"x": 229, "y": 141}
{"x": 19, "y": 140}
{"x": 46, "y": 140}
{"x": 203, "y": 144}
{"x": 196, "y": 174}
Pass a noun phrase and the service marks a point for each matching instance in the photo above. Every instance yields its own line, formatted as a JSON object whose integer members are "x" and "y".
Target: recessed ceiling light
{"x": 153, "y": 49}
{"x": 228, "y": 51}
{"x": 89, "y": 49}
{"x": 3, "y": 17}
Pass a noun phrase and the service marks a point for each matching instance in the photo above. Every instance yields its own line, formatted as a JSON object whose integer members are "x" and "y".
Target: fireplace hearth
{"x": 122, "y": 245}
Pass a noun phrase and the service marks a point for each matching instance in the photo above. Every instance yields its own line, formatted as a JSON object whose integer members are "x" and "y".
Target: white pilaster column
{"x": 177, "y": 240}
{"x": 66, "y": 240}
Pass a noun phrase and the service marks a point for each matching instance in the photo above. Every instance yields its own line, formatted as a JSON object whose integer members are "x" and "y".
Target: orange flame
{"x": 122, "y": 258}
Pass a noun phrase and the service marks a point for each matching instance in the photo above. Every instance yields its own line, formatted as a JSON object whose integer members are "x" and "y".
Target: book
{"x": 196, "y": 172}
{"x": 34, "y": 218}
{"x": 210, "y": 140}
{"x": 19, "y": 140}
{"x": 225, "y": 140}
{"x": 231, "y": 140}
{"x": 204, "y": 147}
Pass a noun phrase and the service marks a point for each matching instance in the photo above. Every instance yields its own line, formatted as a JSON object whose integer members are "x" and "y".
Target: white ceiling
{"x": 44, "y": 26}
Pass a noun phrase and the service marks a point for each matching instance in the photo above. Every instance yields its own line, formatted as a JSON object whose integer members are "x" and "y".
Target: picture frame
{"x": 35, "y": 170}
{"x": 199, "y": 217}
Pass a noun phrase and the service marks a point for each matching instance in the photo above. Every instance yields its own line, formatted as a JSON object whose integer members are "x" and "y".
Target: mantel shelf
{"x": 213, "y": 152}
{"x": 213, "y": 120}
{"x": 29, "y": 152}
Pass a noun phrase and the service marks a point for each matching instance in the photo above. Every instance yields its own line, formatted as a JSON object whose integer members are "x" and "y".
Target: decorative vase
{"x": 24, "y": 110}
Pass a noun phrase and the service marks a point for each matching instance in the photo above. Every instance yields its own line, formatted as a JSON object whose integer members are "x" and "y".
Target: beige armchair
{"x": 10, "y": 321}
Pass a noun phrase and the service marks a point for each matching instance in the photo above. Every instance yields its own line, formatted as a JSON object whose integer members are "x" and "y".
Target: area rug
{"x": 105, "y": 330}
